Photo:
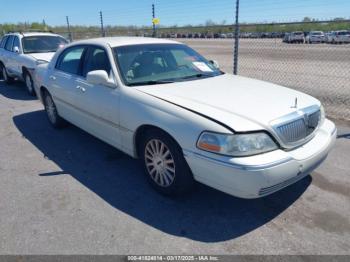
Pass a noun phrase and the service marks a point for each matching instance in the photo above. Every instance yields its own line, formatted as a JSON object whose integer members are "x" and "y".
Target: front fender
{"x": 138, "y": 109}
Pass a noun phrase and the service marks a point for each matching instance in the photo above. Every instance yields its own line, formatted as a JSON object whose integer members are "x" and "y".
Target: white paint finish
{"x": 184, "y": 110}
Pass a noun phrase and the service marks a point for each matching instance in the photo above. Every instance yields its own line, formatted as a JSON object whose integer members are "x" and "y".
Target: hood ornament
{"x": 295, "y": 103}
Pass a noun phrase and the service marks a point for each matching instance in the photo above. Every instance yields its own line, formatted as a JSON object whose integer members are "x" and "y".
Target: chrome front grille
{"x": 298, "y": 126}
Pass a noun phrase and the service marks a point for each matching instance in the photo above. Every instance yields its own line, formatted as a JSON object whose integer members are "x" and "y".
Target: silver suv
{"x": 20, "y": 53}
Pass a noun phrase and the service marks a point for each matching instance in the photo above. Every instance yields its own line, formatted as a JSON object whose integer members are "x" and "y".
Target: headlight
{"x": 39, "y": 62}
{"x": 236, "y": 144}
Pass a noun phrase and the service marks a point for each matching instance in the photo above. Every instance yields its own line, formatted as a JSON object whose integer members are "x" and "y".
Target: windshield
{"x": 42, "y": 44}
{"x": 148, "y": 64}
{"x": 316, "y": 33}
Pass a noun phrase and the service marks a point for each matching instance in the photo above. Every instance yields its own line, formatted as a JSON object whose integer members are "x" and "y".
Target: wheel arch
{"x": 42, "y": 90}
{"x": 24, "y": 71}
{"x": 140, "y": 133}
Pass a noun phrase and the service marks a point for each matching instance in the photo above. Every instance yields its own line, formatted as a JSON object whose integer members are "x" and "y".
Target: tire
{"x": 164, "y": 164}
{"x": 8, "y": 79}
{"x": 51, "y": 111}
{"x": 29, "y": 83}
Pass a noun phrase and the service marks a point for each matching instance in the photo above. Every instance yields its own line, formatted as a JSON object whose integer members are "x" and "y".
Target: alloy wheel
{"x": 50, "y": 109}
{"x": 29, "y": 84}
{"x": 160, "y": 163}
{"x": 4, "y": 75}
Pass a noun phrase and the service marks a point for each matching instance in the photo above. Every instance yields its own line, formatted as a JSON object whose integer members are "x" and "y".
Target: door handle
{"x": 81, "y": 88}
{"x": 52, "y": 77}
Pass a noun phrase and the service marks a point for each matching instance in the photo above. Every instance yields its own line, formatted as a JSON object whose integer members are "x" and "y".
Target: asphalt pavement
{"x": 66, "y": 192}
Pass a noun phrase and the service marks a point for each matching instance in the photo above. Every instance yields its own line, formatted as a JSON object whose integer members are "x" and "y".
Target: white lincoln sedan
{"x": 165, "y": 104}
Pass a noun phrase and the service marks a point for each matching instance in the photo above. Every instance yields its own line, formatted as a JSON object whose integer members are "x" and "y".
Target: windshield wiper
{"x": 199, "y": 75}
{"x": 151, "y": 82}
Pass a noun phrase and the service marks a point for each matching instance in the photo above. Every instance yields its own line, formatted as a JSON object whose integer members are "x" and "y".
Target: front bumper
{"x": 261, "y": 175}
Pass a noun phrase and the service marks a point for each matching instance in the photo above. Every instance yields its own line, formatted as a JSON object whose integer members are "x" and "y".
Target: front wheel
{"x": 5, "y": 76}
{"x": 164, "y": 164}
{"x": 51, "y": 111}
{"x": 29, "y": 84}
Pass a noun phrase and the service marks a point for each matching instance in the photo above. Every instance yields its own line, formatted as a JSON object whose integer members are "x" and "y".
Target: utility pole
{"x": 44, "y": 25}
{"x": 154, "y": 34}
{"x": 235, "y": 55}
{"x": 69, "y": 32}
{"x": 103, "y": 33}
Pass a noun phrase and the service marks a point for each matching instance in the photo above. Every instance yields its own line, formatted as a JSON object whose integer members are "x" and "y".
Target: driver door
{"x": 98, "y": 104}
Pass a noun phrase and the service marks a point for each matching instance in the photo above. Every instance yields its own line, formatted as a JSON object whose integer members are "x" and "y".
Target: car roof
{"x": 32, "y": 34}
{"x": 123, "y": 41}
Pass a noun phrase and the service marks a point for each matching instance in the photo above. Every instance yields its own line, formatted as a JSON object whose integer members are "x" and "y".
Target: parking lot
{"x": 65, "y": 192}
{"x": 321, "y": 70}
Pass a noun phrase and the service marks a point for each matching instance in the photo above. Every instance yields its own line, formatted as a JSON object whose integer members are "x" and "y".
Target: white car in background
{"x": 160, "y": 101}
{"x": 315, "y": 37}
{"x": 20, "y": 53}
{"x": 339, "y": 37}
{"x": 296, "y": 37}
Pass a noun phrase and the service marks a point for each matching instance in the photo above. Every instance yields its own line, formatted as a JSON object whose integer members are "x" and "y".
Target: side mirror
{"x": 99, "y": 77}
{"x": 16, "y": 49}
{"x": 215, "y": 64}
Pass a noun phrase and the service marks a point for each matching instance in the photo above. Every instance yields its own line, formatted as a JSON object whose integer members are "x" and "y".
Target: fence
{"x": 316, "y": 65}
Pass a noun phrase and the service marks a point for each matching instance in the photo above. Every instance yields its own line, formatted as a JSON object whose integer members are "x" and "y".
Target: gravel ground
{"x": 65, "y": 192}
{"x": 321, "y": 70}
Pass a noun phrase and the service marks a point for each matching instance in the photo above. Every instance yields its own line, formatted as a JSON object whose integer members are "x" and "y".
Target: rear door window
{"x": 3, "y": 41}
{"x": 8, "y": 45}
{"x": 70, "y": 60}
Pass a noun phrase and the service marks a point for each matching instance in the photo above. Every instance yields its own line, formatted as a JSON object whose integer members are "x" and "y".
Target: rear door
{"x": 7, "y": 54}
{"x": 14, "y": 63}
{"x": 62, "y": 82}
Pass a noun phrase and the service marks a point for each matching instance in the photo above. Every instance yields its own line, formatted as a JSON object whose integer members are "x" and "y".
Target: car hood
{"x": 43, "y": 56}
{"x": 242, "y": 103}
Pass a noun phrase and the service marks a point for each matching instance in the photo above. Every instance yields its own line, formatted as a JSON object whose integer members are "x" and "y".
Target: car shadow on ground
{"x": 346, "y": 136}
{"x": 205, "y": 215}
{"x": 16, "y": 91}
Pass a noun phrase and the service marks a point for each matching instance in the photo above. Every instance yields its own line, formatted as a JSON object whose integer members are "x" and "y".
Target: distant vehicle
{"x": 254, "y": 35}
{"x": 296, "y": 37}
{"x": 223, "y": 36}
{"x": 229, "y": 35}
{"x": 339, "y": 37}
{"x": 196, "y": 35}
{"x": 245, "y": 35}
{"x": 286, "y": 38}
{"x": 328, "y": 36}
{"x": 21, "y": 53}
{"x": 276, "y": 35}
{"x": 209, "y": 35}
{"x": 315, "y": 37}
{"x": 202, "y": 35}
{"x": 216, "y": 35}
